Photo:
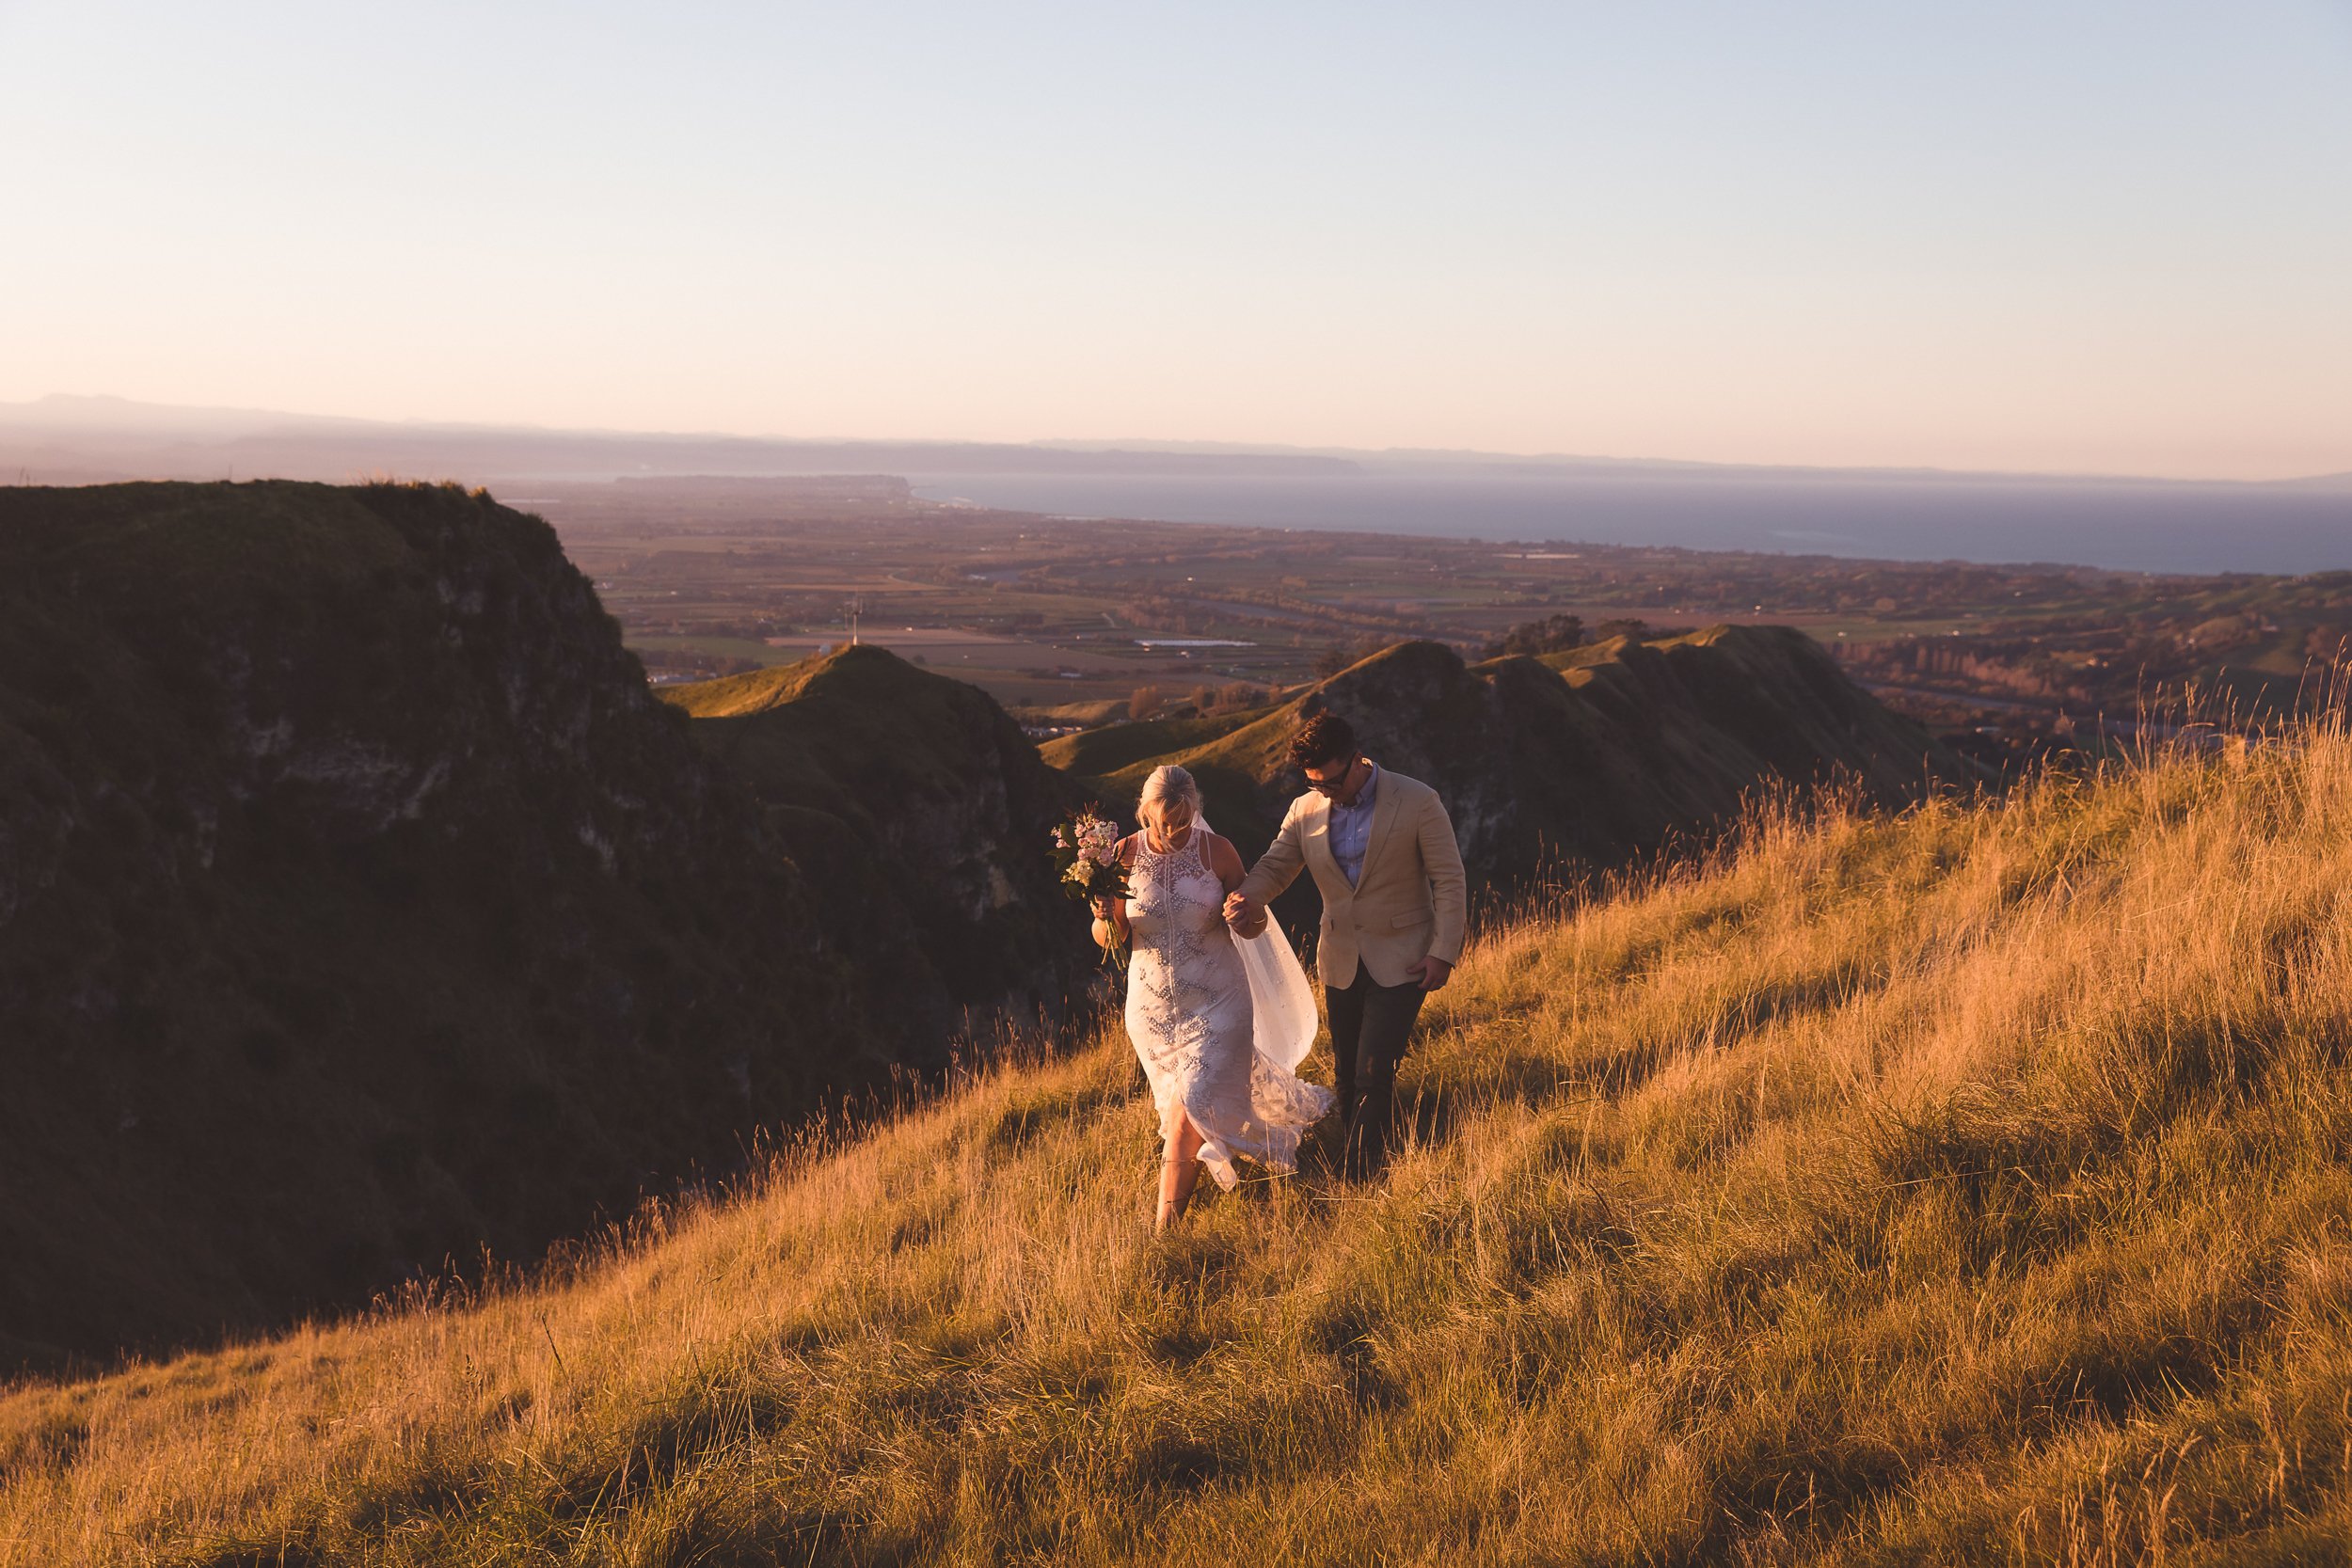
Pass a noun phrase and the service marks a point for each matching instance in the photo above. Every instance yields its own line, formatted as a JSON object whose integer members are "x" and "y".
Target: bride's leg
{"x": 1188, "y": 1164}
{"x": 1179, "y": 1167}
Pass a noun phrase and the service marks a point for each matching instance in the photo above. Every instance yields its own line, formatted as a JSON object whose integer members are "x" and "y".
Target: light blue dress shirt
{"x": 1351, "y": 829}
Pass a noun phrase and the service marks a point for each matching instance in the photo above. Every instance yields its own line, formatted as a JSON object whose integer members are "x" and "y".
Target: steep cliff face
{"x": 360, "y": 907}
{"x": 928, "y": 809}
{"x": 1588, "y": 758}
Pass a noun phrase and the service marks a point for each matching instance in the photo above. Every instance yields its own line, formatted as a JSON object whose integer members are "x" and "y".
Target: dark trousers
{"x": 1370, "y": 1025}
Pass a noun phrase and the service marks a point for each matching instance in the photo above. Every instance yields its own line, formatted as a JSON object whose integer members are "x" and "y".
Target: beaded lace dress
{"x": 1190, "y": 1015}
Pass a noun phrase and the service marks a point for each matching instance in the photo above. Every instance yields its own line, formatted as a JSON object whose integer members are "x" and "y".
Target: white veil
{"x": 1282, "y": 1003}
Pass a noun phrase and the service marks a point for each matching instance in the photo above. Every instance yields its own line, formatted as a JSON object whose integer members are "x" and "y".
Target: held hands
{"x": 1245, "y": 914}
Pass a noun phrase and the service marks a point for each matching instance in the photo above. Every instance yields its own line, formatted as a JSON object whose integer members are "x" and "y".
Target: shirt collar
{"x": 1363, "y": 796}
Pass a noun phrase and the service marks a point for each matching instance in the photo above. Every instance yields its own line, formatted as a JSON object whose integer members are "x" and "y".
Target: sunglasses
{"x": 1330, "y": 784}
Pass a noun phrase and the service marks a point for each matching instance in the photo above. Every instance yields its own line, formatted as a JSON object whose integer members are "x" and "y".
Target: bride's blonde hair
{"x": 1168, "y": 783}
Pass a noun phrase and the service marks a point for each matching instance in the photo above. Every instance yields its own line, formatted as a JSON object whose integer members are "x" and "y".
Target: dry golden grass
{"x": 1967, "y": 1187}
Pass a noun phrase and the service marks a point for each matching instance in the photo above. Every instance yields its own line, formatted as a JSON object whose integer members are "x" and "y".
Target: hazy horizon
{"x": 2087, "y": 239}
{"x": 68, "y": 414}
{"x": 2120, "y": 522}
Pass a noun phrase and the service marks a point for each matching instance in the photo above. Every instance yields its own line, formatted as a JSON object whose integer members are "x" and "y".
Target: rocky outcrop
{"x": 921, "y": 806}
{"x": 361, "y": 907}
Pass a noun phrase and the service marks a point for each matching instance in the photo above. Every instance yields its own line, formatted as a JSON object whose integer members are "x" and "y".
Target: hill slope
{"x": 1597, "y": 756}
{"x": 1963, "y": 1188}
{"x": 1109, "y": 748}
{"x": 359, "y": 906}
{"x": 917, "y": 804}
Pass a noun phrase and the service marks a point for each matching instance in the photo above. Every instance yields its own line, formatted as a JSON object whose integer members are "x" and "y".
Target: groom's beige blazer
{"x": 1410, "y": 901}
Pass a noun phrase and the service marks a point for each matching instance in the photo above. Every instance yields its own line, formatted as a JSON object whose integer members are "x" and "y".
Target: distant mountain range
{"x": 94, "y": 440}
{"x": 75, "y": 440}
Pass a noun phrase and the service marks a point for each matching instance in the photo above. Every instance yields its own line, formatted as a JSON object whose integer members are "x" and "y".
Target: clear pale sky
{"x": 2053, "y": 235}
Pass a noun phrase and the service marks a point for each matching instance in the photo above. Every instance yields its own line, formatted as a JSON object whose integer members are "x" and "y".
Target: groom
{"x": 1382, "y": 852}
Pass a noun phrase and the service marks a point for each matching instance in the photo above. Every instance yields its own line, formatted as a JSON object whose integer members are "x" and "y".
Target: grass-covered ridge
{"x": 1605, "y": 761}
{"x": 1094, "y": 752}
{"x": 1966, "y": 1187}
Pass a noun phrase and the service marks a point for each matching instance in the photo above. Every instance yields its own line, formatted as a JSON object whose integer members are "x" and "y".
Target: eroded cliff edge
{"x": 361, "y": 907}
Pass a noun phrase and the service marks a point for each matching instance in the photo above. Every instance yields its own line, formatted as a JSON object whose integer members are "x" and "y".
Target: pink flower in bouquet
{"x": 1086, "y": 849}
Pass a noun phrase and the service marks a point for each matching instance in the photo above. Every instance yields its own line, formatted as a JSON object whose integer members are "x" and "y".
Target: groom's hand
{"x": 1432, "y": 972}
{"x": 1244, "y": 913}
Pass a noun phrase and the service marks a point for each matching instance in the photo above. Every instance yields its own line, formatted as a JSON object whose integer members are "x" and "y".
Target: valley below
{"x": 1070, "y": 622}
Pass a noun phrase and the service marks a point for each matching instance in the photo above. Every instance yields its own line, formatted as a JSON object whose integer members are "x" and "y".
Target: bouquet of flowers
{"x": 1085, "y": 850}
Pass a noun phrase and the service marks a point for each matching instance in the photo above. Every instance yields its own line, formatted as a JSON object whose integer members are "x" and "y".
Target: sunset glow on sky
{"x": 2058, "y": 236}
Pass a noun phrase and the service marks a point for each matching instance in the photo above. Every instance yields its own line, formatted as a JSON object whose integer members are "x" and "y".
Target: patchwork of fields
{"x": 711, "y": 576}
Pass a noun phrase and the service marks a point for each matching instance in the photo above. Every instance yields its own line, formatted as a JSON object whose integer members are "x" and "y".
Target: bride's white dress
{"x": 1203, "y": 1045}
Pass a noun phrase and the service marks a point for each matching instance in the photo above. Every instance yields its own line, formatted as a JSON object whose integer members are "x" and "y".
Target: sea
{"x": 2124, "y": 525}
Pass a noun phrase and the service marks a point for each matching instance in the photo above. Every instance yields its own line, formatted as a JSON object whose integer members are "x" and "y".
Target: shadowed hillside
{"x": 360, "y": 907}
{"x": 921, "y": 808}
{"x": 1963, "y": 1188}
{"x": 1595, "y": 757}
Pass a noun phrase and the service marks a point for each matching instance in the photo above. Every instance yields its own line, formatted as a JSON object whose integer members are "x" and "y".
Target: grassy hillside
{"x": 1967, "y": 1187}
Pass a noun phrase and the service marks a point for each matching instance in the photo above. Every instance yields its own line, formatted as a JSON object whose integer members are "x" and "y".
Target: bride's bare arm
{"x": 1225, "y": 861}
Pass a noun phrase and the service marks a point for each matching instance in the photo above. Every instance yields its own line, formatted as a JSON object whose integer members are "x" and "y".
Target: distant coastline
{"x": 2122, "y": 524}
{"x": 2289, "y": 526}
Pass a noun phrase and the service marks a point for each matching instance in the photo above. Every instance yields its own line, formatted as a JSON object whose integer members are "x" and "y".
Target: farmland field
{"x": 712, "y": 576}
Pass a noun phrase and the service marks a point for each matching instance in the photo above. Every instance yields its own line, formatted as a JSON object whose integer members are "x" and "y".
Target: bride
{"x": 1219, "y": 1021}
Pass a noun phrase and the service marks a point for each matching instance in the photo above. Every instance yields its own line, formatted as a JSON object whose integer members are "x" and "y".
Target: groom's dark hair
{"x": 1325, "y": 738}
